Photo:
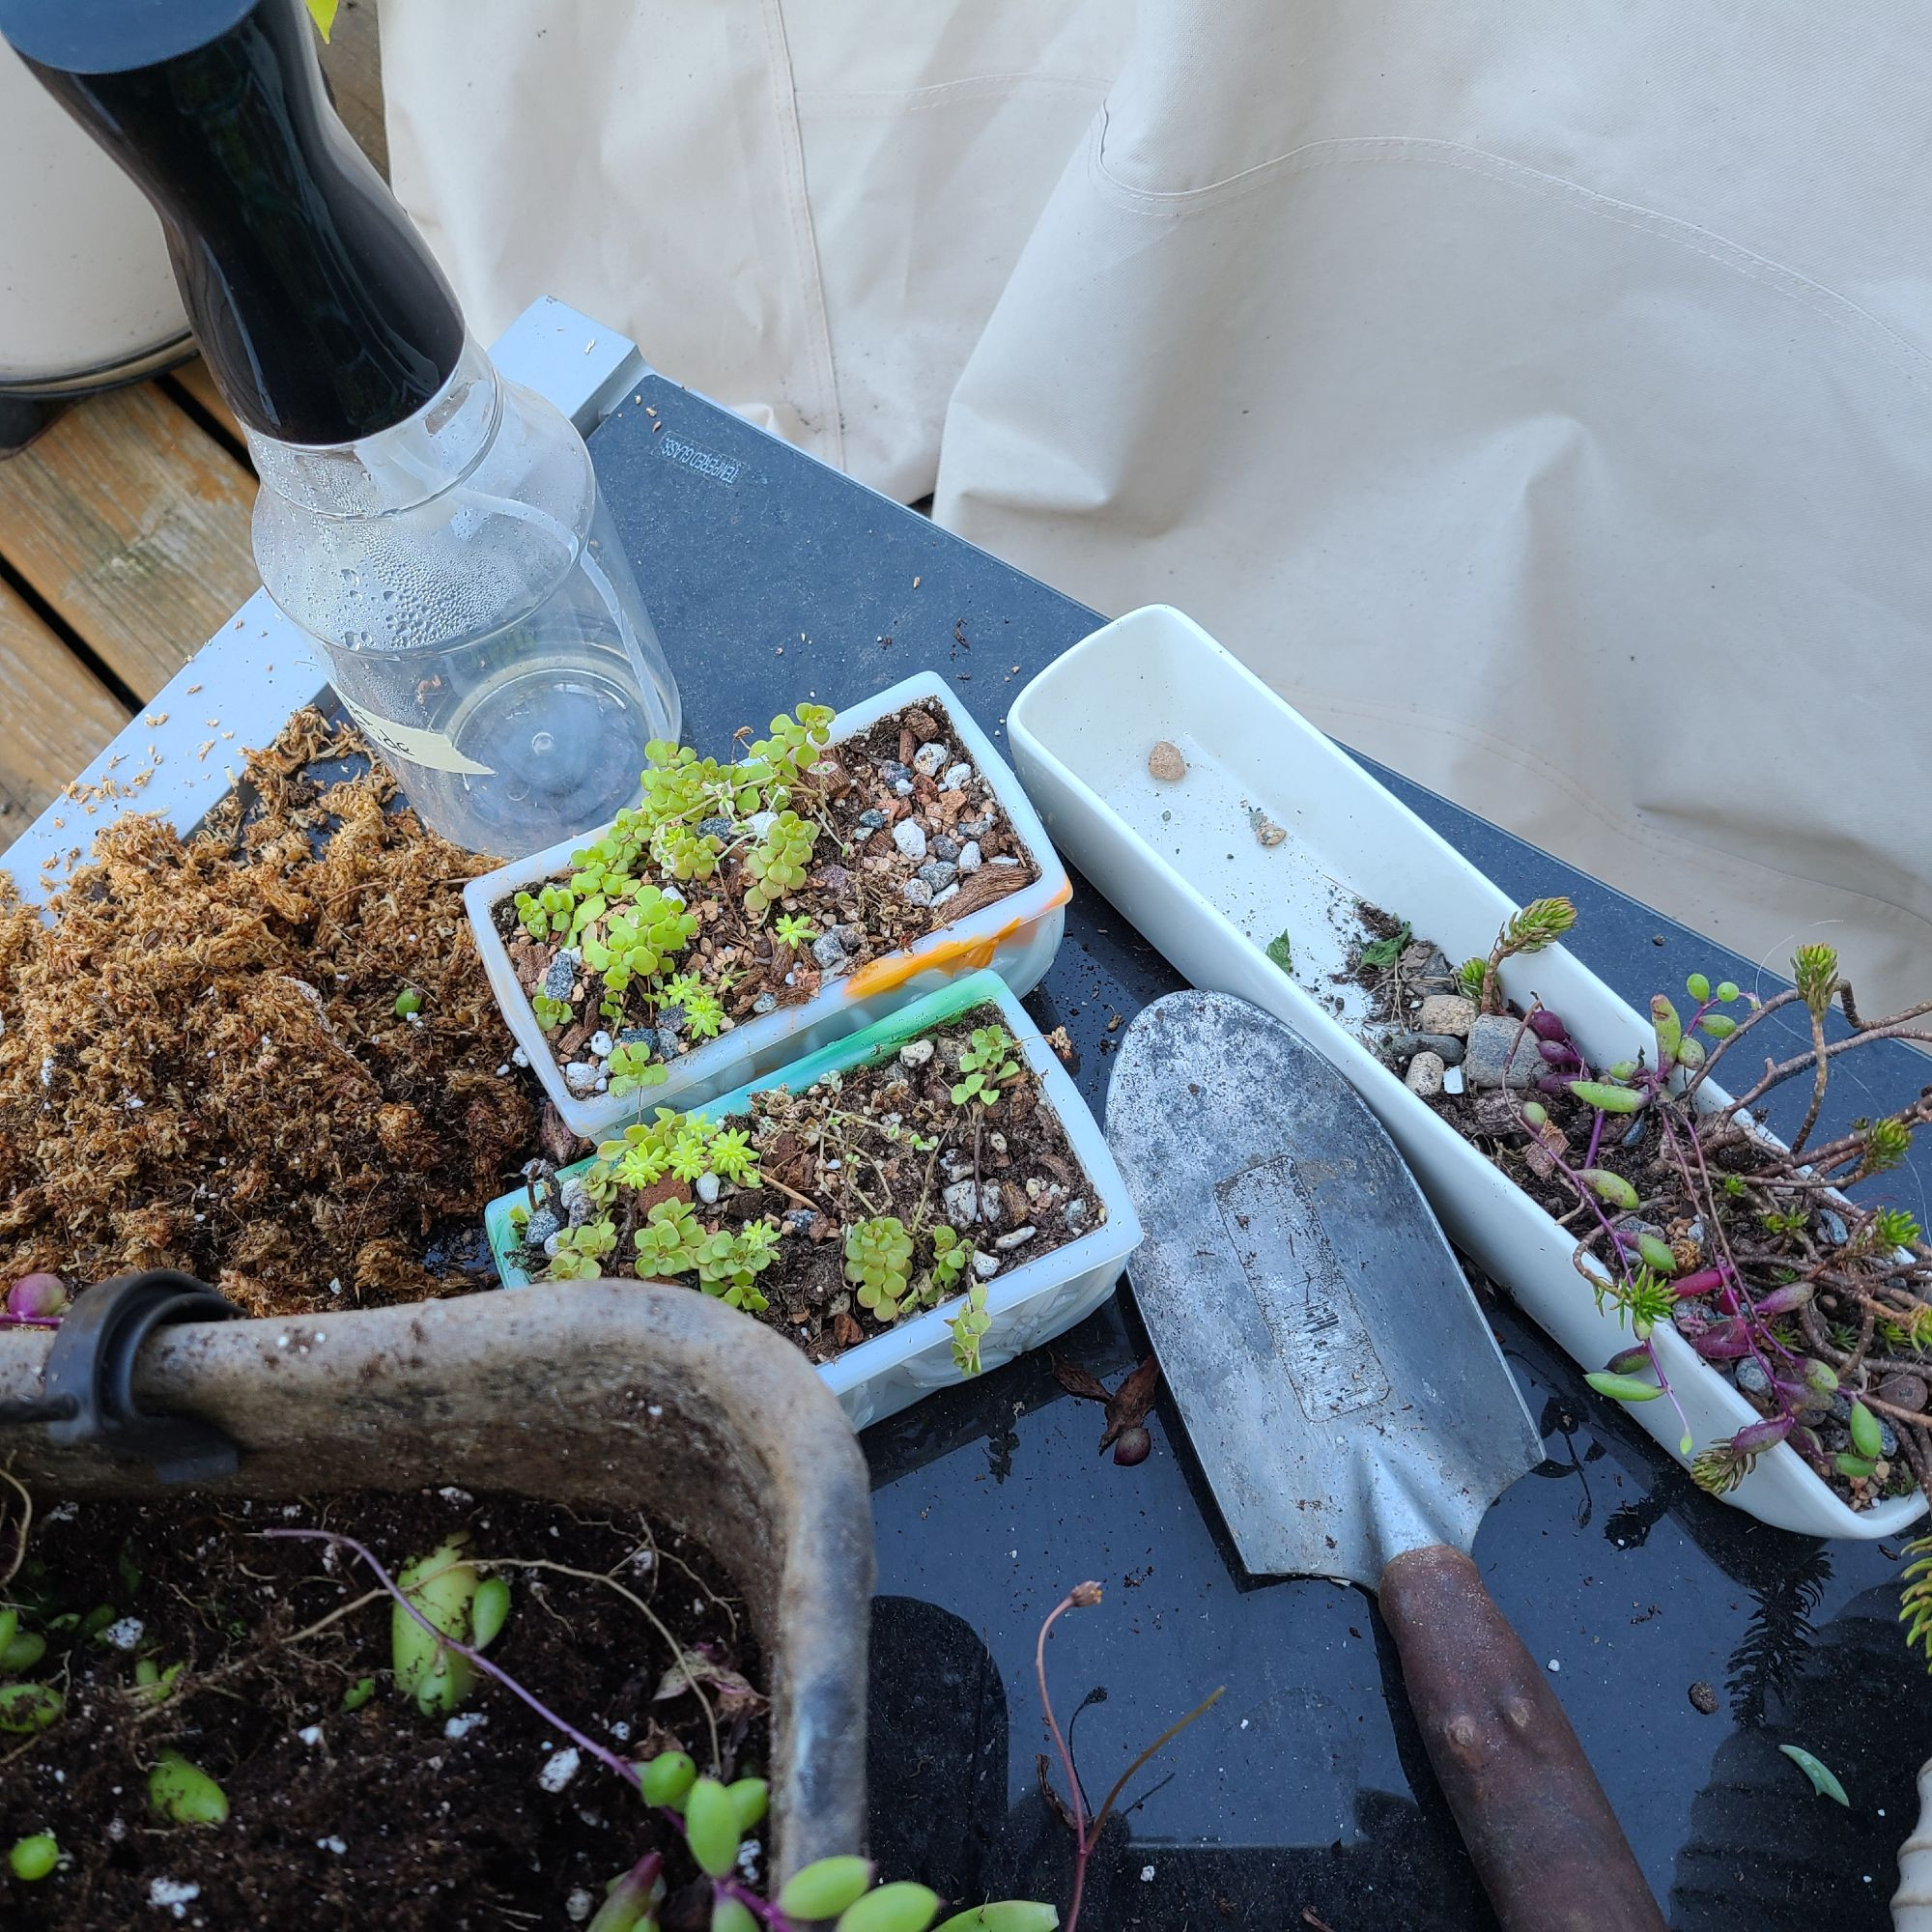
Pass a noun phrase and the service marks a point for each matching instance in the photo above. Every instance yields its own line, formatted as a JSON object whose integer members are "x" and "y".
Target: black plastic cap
{"x": 319, "y": 310}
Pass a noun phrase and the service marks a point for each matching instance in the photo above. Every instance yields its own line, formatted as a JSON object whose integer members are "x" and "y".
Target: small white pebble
{"x": 577, "y": 1907}
{"x": 503, "y": 1071}
{"x": 125, "y": 1633}
{"x": 310, "y": 1734}
{"x": 521, "y": 1058}
{"x": 461, "y": 1726}
{"x": 331, "y": 1844}
{"x": 335, "y": 1284}
{"x": 621, "y": 1731}
{"x": 1146, "y": 1874}
{"x": 559, "y": 1768}
{"x": 172, "y": 1894}
{"x": 281, "y": 1341}
{"x": 1555, "y": 1665}
{"x": 655, "y": 1410}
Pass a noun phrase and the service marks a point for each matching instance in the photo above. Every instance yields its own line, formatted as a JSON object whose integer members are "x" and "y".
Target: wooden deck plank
{"x": 193, "y": 377}
{"x": 55, "y": 715}
{"x": 352, "y": 61}
{"x": 132, "y": 523}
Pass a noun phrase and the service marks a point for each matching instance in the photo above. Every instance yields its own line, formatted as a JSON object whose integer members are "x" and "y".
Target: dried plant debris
{"x": 266, "y": 1054}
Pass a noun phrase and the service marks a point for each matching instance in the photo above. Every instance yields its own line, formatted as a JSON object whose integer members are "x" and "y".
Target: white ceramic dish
{"x": 1180, "y": 859}
{"x": 1029, "y": 1303}
{"x": 1017, "y": 936}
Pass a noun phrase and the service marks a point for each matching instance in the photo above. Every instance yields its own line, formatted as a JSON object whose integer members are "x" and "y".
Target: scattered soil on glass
{"x": 202, "y": 1066}
{"x": 856, "y": 895}
{"x": 842, "y": 1151}
{"x": 383, "y": 1816}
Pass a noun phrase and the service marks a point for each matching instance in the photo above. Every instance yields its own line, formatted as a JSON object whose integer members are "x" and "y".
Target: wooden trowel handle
{"x": 1544, "y": 1841}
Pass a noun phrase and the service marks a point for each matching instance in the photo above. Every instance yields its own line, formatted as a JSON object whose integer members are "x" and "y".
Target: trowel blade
{"x": 1345, "y": 1398}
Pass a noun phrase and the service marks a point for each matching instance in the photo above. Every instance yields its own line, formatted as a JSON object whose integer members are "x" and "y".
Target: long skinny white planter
{"x": 1182, "y": 861}
{"x": 1017, "y": 936}
{"x": 1031, "y": 1302}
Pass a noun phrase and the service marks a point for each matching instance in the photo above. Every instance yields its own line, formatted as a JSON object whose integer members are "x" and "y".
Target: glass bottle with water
{"x": 482, "y": 622}
{"x": 437, "y": 528}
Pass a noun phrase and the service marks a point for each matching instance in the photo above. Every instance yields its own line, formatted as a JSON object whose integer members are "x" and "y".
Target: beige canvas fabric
{"x": 1537, "y": 396}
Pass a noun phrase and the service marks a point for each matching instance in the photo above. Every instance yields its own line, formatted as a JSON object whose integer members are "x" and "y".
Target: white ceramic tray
{"x": 1182, "y": 861}
{"x": 1017, "y": 936}
{"x": 1029, "y": 1303}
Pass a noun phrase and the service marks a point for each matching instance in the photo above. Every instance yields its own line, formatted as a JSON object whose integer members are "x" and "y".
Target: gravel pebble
{"x": 581, "y": 1077}
{"x": 1752, "y": 1379}
{"x": 1018, "y": 1239}
{"x": 871, "y": 820}
{"x": 1425, "y": 1075}
{"x": 915, "y": 1053}
{"x": 941, "y": 846}
{"x": 561, "y": 975}
{"x": 1450, "y": 1014}
{"x": 706, "y": 1188}
{"x": 601, "y": 1044}
{"x": 1446, "y": 1048}
{"x": 829, "y": 952}
{"x": 930, "y": 759}
{"x": 765, "y": 1003}
{"x": 909, "y": 835}
{"x": 1165, "y": 761}
{"x": 955, "y": 777}
{"x": 938, "y": 873}
{"x": 985, "y": 1266}
{"x": 917, "y": 892}
{"x": 969, "y": 857}
{"x": 1494, "y": 1050}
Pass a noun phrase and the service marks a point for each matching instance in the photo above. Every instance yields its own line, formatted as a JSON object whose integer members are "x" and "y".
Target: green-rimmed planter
{"x": 1029, "y": 1303}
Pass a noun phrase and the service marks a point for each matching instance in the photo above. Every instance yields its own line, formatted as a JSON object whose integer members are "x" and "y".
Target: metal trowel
{"x": 1353, "y": 1415}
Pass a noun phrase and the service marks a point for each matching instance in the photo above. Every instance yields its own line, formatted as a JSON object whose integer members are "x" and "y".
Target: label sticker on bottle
{"x": 414, "y": 745}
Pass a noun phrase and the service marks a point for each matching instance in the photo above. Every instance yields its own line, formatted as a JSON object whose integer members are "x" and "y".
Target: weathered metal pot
{"x": 653, "y": 1398}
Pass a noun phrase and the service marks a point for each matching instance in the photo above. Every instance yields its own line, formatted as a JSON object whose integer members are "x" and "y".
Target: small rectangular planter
{"x": 1182, "y": 860}
{"x": 1029, "y": 1303}
{"x": 611, "y": 1392}
{"x": 1017, "y": 936}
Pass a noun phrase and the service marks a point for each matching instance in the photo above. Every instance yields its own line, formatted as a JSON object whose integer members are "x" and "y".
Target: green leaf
{"x": 1719, "y": 1026}
{"x": 1622, "y": 1388}
{"x": 1008, "y": 1915}
{"x": 1727, "y": 990}
{"x": 1860, "y": 1468}
{"x": 409, "y": 1000}
{"x": 29, "y": 1707}
{"x": 1866, "y": 1436}
{"x": 490, "y": 1611}
{"x": 903, "y": 1906}
{"x": 1608, "y": 1186}
{"x": 24, "y": 1651}
{"x": 32, "y": 1857}
{"x": 1604, "y": 1098}
{"x": 824, "y": 1889}
{"x": 358, "y": 1693}
{"x": 729, "y": 1916}
{"x": 1823, "y": 1782}
{"x": 1697, "y": 987}
{"x": 750, "y": 1796}
{"x": 185, "y": 1793}
{"x": 668, "y": 1780}
{"x": 323, "y": 13}
{"x": 1281, "y": 950}
{"x": 1657, "y": 1254}
{"x": 1387, "y": 950}
{"x": 711, "y": 1823}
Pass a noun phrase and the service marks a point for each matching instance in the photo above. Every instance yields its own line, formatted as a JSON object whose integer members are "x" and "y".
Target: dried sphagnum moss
{"x": 202, "y": 1067}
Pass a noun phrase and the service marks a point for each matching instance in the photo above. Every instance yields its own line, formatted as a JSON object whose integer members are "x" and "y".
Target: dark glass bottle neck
{"x": 321, "y": 311}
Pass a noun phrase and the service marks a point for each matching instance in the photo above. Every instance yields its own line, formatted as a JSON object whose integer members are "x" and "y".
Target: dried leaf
{"x": 1056, "y": 1804}
{"x": 733, "y": 1694}
{"x": 1079, "y": 1381}
{"x": 1131, "y": 1401}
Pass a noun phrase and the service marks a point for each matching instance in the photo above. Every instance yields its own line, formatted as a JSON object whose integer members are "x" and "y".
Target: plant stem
{"x": 1080, "y": 1596}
